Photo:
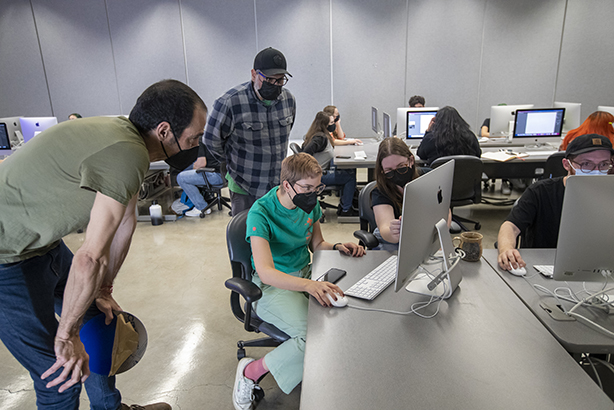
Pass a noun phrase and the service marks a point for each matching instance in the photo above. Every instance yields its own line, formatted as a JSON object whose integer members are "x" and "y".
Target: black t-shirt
{"x": 211, "y": 161}
{"x": 377, "y": 198}
{"x": 486, "y": 123}
{"x": 538, "y": 213}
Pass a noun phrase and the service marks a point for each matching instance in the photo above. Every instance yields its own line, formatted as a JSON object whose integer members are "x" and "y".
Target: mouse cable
{"x": 590, "y": 361}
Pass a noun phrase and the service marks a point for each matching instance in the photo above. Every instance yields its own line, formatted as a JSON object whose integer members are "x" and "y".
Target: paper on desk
{"x": 503, "y": 156}
{"x": 360, "y": 155}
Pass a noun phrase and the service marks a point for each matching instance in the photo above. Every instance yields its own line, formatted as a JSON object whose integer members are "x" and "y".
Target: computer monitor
{"x": 539, "y": 125}
{"x": 402, "y": 118}
{"x": 32, "y": 126}
{"x": 14, "y": 130}
{"x": 5, "y": 142}
{"x": 426, "y": 203}
{"x": 573, "y": 115}
{"x": 606, "y": 109}
{"x": 418, "y": 122}
{"x": 387, "y": 126}
{"x": 374, "y": 114}
{"x": 584, "y": 248}
{"x": 500, "y": 117}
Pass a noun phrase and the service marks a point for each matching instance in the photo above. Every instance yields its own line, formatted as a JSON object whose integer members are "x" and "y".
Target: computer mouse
{"x": 341, "y": 301}
{"x": 519, "y": 271}
{"x": 359, "y": 143}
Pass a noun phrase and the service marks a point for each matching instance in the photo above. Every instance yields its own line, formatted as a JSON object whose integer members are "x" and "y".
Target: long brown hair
{"x": 318, "y": 127}
{"x": 599, "y": 122}
{"x": 330, "y": 109}
{"x": 392, "y": 146}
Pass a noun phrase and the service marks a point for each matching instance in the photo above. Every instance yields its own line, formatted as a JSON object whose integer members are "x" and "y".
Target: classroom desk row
{"x": 483, "y": 350}
{"x": 528, "y": 167}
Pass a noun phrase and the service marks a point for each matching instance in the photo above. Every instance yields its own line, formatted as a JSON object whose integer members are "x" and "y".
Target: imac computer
{"x": 402, "y": 119}
{"x": 606, "y": 109}
{"x": 573, "y": 114}
{"x": 539, "y": 125}
{"x": 13, "y": 128}
{"x": 32, "y": 126}
{"x": 417, "y": 122}
{"x": 426, "y": 204}
{"x": 387, "y": 126}
{"x": 5, "y": 142}
{"x": 374, "y": 115}
{"x": 501, "y": 116}
{"x": 584, "y": 247}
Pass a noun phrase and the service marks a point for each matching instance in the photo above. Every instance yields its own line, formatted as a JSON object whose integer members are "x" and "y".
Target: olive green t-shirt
{"x": 47, "y": 187}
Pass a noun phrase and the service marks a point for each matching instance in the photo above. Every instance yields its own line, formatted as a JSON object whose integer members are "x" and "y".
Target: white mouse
{"x": 341, "y": 301}
{"x": 359, "y": 143}
{"x": 519, "y": 271}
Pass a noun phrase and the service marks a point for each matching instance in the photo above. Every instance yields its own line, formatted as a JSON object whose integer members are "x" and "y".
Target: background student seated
{"x": 282, "y": 227}
{"x": 319, "y": 143}
{"x": 416, "y": 101}
{"x": 339, "y": 137}
{"x": 537, "y": 215}
{"x": 448, "y": 134}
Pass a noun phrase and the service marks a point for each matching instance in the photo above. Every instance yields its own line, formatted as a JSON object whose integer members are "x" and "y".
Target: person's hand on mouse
{"x": 319, "y": 290}
{"x": 510, "y": 259}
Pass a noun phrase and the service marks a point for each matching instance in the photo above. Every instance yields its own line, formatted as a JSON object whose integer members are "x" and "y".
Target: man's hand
{"x": 70, "y": 354}
{"x": 510, "y": 259}
{"x": 106, "y": 304}
{"x": 201, "y": 162}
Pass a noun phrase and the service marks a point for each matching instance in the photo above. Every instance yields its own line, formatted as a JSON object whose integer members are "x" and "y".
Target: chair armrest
{"x": 367, "y": 238}
{"x": 247, "y": 289}
{"x": 206, "y": 169}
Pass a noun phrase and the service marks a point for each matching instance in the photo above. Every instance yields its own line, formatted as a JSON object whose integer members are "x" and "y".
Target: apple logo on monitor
{"x": 439, "y": 196}
{"x": 38, "y": 124}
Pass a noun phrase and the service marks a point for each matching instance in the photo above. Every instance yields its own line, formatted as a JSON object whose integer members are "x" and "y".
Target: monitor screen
{"x": 402, "y": 118}
{"x": 539, "y": 122}
{"x": 500, "y": 118}
{"x": 5, "y": 142}
{"x": 418, "y": 122}
{"x": 573, "y": 115}
{"x": 584, "y": 247}
{"x": 32, "y": 126}
{"x": 387, "y": 126}
{"x": 374, "y": 120}
{"x": 426, "y": 201}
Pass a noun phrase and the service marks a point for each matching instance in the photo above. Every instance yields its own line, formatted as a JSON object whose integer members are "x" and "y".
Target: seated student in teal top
{"x": 282, "y": 227}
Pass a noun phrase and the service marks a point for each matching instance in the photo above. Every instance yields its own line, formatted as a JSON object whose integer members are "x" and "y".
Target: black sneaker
{"x": 349, "y": 212}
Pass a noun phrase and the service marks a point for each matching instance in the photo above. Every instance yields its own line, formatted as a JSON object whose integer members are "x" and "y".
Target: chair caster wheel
{"x": 229, "y": 213}
{"x": 202, "y": 215}
{"x": 322, "y": 219}
{"x": 477, "y": 227}
{"x": 240, "y": 354}
{"x": 258, "y": 393}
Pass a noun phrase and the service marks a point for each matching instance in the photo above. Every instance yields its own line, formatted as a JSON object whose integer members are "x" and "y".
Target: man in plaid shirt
{"x": 249, "y": 127}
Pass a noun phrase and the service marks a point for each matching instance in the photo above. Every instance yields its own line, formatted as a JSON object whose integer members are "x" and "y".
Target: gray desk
{"x": 483, "y": 350}
{"x": 370, "y": 146}
{"x": 575, "y": 337}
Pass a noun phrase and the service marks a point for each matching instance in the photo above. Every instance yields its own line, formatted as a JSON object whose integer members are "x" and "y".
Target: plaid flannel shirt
{"x": 251, "y": 137}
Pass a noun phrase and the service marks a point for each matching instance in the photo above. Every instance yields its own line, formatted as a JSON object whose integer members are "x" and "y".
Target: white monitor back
{"x": 500, "y": 117}
{"x": 606, "y": 109}
{"x": 573, "y": 115}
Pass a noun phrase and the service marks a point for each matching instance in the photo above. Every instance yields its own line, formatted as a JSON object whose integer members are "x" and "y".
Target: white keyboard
{"x": 374, "y": 282}
{"x": 546, "y": 270}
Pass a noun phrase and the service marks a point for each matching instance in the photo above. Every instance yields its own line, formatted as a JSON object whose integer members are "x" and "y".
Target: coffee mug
{"x": 471, "y": 244}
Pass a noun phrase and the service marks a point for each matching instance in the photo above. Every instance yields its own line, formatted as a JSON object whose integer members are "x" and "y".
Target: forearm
{"x": 273, "y": 277}
{"x": 120, "y": 247}
{"x": 508, "y": 234}
{"x": 388, "y": 235}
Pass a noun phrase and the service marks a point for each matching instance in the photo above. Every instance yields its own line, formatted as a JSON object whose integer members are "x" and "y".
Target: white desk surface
{"x": 484, "y": 350}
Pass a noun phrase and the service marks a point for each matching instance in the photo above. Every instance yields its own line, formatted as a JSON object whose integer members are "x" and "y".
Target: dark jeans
{"x": 31, "y": 293}
{"x": 346, "y": 178}
{"x": 240, "y": 202}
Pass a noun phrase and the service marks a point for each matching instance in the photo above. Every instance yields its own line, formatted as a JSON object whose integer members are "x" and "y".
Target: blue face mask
{"x": 579, "y": 172}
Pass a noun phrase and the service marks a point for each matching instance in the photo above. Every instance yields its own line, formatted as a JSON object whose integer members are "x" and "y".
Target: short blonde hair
{"x": 299, "y": 166}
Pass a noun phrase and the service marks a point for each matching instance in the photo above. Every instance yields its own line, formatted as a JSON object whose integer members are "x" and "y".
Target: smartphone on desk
{"x": 343, "y": 156}
{"x": 332, "y": 275}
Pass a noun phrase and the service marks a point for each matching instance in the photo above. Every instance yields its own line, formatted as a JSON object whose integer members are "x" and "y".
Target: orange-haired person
{"x": 599, "y": 122}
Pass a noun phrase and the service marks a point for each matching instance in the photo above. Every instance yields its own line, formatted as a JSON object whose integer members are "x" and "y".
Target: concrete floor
{"x": 173, "y": 280}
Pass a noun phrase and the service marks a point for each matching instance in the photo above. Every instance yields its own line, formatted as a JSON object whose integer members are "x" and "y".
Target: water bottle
{"x": 155, "y": 212}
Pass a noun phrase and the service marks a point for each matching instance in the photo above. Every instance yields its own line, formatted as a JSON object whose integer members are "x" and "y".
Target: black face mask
{"x": 269, "y": 91}
{"x": 401, "y": 179}
{"x": 306, "y": 202}
{"x": 332, "y": 128}
{"x": 182, "y": 159}
{"x": 337, "y": 118}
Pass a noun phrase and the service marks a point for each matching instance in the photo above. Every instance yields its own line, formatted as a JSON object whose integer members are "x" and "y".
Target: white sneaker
{"x": 178, "y": 207}
{"x": 243, "y": 393}
{"x": 194, "y": 212}
{"x": 208, "y": 211}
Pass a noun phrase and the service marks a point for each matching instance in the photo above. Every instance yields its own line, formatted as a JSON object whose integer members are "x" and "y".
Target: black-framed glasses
{"x": 403, "y": 169}
{"x": 310, "y": 190}
{"x": 275, "y": 81}
{"x": 588, "y": 166}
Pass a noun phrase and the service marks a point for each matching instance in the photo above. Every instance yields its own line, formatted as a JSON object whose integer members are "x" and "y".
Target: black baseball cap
{"x": 271, "y": 62}
{"x": 587, "y": 143}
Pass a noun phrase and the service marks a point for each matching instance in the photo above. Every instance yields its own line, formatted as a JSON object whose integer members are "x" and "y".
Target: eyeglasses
{"x": 587, "y": 166}
{"x": 275, "y": 81}
{"x": 310, "y": 190}
{"x": 403, "y": 169}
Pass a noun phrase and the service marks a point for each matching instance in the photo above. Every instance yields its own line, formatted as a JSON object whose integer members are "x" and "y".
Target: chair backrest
{"x": 466, "y": 187}
{"x": 554, "y": 165}
{"x": 365, "y": 211}
{"x": 294, "y": 147}
{"x": 239, "y": 250}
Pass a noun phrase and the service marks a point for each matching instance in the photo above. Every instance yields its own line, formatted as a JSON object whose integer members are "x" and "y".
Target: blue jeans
{"x": 345, "y": 177}
{"x": 31, "y": 293}
{"x": 190, "y": 180}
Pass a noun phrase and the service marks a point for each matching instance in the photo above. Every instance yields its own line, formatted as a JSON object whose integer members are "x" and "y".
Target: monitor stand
{"x": 447, "y": 281}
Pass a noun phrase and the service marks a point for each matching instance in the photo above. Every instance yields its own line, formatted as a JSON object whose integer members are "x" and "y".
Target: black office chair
{"x": 241, "y": 285}
{"x": 295, "y": 148}
{"x": 554, "y": 166}
{"x": 367, "y": 218}
{"x": 216, "y": 197}
{"x": 466, "y": 184}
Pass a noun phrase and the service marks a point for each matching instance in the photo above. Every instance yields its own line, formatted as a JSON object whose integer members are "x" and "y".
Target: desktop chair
{"x": 241, "y": 285}
{"x": 217, "y": 199}
{"x": 367, "y": 218}
{"x": 466, "y": 185}
{"x": 295, "y": 148}
{"x": 554, "y": 166}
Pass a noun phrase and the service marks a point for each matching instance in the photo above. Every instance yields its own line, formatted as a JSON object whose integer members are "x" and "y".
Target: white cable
{"x": 595, "y": 370}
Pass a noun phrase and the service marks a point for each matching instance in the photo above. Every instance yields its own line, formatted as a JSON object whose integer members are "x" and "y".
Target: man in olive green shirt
{"x": 76, "y": 174}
